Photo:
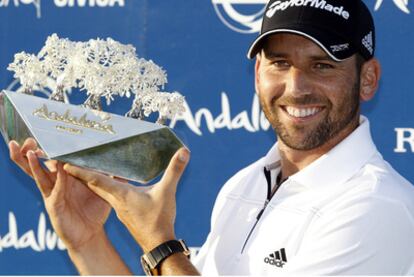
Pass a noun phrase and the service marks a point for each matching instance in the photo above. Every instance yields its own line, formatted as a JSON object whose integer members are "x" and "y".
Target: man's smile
{"x": 302, "y": 113}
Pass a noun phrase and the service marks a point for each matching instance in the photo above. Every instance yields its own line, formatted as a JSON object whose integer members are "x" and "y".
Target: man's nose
{"x": 297, "y": 82}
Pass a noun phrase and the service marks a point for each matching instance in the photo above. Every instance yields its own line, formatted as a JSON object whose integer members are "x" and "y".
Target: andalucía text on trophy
{"x": 125, "y": 146}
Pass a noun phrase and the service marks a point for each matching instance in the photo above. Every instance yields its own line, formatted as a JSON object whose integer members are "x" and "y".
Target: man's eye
{"x": 323, "y": 66}
{"x": 281, "y": 64}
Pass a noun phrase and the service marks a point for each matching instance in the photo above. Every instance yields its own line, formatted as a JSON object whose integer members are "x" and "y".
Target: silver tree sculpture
{"x": 168, "y": 105}
{"x": 109, "y": 70}
{"x": 102, "y": 68}
{"x": 30, "y": 71}
{"x": 149, "y": 80}
{"x": 59, "y": 57}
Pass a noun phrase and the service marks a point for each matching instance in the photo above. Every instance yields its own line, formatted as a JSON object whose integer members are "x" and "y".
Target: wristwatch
{"x": 151, "y": 261}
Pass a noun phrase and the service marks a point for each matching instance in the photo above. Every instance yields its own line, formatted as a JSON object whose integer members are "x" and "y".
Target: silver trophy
{"x": 84, "y": 135}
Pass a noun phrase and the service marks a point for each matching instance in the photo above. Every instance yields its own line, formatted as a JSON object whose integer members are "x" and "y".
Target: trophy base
{"x": 140, "y": 158}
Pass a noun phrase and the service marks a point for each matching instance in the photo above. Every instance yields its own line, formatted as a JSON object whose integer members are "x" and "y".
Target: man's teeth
{"x": 302, "y": 112}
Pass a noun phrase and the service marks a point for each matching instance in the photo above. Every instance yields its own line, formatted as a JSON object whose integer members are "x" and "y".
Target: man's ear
{"x": 370, "y": 76}
{"x": 256, "y": 73}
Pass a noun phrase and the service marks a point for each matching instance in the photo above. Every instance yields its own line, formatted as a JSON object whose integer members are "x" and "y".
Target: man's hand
{"x": 76, "y": 213}
{"x": 147, "y": 212}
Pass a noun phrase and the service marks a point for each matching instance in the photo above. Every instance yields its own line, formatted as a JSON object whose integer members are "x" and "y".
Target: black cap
{"x": 340, "y": 27}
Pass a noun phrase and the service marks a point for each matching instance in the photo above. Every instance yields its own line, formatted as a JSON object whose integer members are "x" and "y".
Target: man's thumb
{"x": 174, "y": 170}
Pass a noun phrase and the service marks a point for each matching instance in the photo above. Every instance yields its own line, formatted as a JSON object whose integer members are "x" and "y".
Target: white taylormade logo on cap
{"x": 318, "y": 4}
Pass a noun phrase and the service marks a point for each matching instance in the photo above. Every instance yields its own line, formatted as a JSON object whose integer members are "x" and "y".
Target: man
{"x": 321, "y": 202}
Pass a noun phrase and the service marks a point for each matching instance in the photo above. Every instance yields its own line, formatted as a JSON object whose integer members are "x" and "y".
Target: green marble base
{"x": 140, "y": 158}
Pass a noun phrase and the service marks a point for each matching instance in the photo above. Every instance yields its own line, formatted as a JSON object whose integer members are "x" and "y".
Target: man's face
{"x": 307, "y": 97}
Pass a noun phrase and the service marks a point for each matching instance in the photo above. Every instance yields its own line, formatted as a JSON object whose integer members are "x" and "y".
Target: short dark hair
{"x": 359, "y": 62}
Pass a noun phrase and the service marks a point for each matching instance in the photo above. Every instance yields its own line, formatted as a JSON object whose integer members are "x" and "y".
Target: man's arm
{"x": 98, "y": 257}
{"x": 178, "y": 264}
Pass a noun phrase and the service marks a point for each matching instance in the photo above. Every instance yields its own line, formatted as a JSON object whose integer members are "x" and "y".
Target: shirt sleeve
{"x": 370, "y": 237}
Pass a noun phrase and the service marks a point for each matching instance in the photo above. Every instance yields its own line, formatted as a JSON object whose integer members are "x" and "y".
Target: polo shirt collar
{"x": 336, "y": 166}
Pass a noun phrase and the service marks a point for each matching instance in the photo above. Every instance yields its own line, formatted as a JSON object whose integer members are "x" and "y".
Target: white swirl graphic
{"x": 401, "y": 4}
{"x": 236, "y": 20}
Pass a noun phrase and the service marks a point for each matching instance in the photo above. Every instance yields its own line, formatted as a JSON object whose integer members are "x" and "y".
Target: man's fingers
{"x": 104, "y": 186}
{"x": 29, "y": 144}
{"x": 41, "y": 177}
{"x": 51, "y": 165}
{"x": 40, "y": 153}
{"x": 61, "y": 182}
{"x": 174, "y": 170}
{"x": 18, "y": 158}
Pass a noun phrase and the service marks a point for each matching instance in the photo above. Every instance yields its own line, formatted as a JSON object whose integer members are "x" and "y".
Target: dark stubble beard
{"x": 330, "y": 126}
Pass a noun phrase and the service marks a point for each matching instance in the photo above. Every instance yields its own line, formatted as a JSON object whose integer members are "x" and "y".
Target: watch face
{"x": 146, "y": 267}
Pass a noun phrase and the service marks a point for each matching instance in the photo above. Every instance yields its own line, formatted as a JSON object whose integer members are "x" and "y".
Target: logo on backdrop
{"x": 242, "y": 16}
{"x": 245, "y": 16}
{"x": 404, "y": 140}
{"x": 401, "y": 4}
{"x": 251, "y": 121}
{"x": 38, "y": 240}
{"x": 61, "y": 4}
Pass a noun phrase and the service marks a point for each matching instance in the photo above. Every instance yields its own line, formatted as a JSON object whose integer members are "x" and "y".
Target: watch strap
{"x": 164, "y": 250}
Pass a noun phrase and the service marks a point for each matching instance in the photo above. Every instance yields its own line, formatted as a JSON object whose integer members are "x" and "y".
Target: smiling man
{"x": 321, "y": 202}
